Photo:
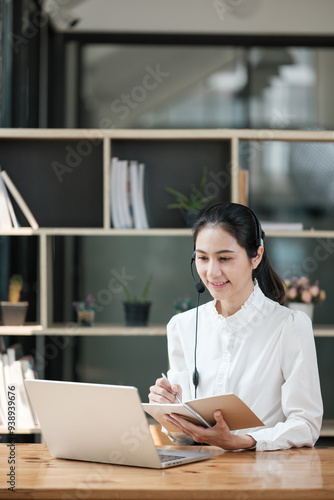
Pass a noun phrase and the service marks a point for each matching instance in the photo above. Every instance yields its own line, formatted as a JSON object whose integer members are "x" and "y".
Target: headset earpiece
{"x": 199, "y": 285}
{"x": 259, "y": 240}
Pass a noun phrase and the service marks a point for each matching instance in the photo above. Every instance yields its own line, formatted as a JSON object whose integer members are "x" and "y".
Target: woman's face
{"x": 224, "y": 266}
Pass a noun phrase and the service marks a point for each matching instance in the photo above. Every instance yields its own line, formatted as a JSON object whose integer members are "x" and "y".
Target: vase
{"x": 301, "y": 306}
{"x": 85, "y": 318}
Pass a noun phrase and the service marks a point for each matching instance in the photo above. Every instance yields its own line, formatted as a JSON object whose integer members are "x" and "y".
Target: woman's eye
{"x": 224, "y": 259}
{"x": 201, "y": 257}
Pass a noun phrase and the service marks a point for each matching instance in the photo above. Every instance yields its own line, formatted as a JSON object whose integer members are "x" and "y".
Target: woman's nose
{"x": 213, "y": 269}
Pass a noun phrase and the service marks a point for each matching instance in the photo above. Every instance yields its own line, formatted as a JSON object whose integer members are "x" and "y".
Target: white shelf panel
{"x": 306, "y": 233}
{"x": 105, "y": 330}
{"x": 100, "y": 231}
{"x": 169, "y": 134}
{"x": 114, "y": 329}
{"x": 30, "y": 329}
{"x": 86, "y": 231}
{"x": 20, "y": 231}
{"x": 323, "y": 330}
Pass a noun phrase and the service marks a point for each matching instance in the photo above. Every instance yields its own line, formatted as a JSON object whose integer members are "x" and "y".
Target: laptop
{"x": 99, "y": 423}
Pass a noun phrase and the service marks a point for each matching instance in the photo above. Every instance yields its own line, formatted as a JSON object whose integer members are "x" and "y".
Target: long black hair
{"x": 243, "y": 225}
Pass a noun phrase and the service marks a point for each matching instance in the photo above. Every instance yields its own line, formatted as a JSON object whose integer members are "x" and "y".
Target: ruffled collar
{"x": 246, "y": 314}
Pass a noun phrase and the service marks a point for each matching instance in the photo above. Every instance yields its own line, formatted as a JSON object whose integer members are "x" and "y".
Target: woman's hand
{"x": 164, "y": 392}
{"x": 218, "y": 435}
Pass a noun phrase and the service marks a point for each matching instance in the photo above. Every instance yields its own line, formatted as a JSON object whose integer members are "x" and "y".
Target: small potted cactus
{"x": 14, "y": 311}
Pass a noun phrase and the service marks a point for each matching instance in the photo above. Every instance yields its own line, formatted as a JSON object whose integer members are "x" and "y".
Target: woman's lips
{"x": 219, "y": 284}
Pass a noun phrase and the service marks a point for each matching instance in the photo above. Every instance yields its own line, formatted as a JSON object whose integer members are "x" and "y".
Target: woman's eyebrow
{"x": 219, "y": 251}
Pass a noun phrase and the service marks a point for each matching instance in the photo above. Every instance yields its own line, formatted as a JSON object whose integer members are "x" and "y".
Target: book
{"x": 14, "y": 352}
{"x": 143, "y": 214}
{"x": 5, "y": 218}
{"x": 235, "y": 412}
{"x": 5, "y": 200}
{"x": 12, "y": 212}
{"x": 19, "y": 200}
{"x": 124, "y": 197}
{"x": 25, "y": 419}
{"x": 127, "y": 205}
{"x": 29, "y": 372}
{"x": 13, "y": 372}
{"x": 113, "y": 193}
{"x": 134, "y": 188}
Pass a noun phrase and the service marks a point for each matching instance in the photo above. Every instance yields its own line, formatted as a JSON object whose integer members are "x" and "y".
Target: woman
{"x": 248, "y": 342}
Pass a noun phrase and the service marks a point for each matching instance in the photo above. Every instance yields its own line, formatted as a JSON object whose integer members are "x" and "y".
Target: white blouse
{"x": 265, "y": 354}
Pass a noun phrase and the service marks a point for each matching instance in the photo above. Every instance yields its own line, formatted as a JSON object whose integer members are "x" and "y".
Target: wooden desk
{"x": 293, "y": 474}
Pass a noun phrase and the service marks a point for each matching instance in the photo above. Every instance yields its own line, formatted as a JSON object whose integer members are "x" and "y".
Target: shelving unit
{"x": 94, "y": 149}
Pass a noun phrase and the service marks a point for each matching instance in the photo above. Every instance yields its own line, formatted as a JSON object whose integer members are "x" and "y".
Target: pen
{"x": 189, "y": 408}
{"x": 177, "y": 397}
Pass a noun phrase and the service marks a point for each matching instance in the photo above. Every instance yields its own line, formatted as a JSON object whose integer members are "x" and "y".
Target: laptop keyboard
{"x": 168, "y": 458}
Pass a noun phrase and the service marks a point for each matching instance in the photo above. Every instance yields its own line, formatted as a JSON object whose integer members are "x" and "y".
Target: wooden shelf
{"x": 83, "y": 231}
{"x": 91, "y": 204}
{"x": 29, "y": 329}
{"x": 169, "y": 134}
{"x": 87, "y": 231}
{"x": 323, "y": 331}
{"x": 105, "y": 330}
{"x": 306, "y": 233}
{"x": 114, "y": 329}
{"x": 73, "y": 329}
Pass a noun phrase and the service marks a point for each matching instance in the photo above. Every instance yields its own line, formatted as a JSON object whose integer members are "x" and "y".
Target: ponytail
{"x": 269, "y": 281}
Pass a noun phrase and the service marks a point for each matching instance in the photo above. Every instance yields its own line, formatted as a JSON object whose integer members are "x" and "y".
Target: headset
{"x": 201, "y": 288}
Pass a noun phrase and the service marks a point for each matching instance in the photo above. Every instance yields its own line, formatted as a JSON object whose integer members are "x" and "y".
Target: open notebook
{"x": 99, "y": 423}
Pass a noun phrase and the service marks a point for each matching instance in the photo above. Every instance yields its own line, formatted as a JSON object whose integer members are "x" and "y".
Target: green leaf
{"x": 195, "y": 200}
{"x": 203, "y": 180}
{"x": 127, "y": 294}
{"x": 146, "y": 289}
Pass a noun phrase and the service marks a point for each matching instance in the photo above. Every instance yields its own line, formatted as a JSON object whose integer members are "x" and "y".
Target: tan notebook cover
{"x": 235, "y": 412}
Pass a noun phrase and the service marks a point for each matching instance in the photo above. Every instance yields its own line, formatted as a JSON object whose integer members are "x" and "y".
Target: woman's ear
{"x": 256, "y": 260}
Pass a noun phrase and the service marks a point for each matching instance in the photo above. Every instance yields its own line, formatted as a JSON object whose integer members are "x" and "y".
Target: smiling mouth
{"x": 220, "y": 284}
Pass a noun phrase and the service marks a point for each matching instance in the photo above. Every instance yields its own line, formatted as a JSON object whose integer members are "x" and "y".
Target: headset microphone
{"x": 200, "y": 289}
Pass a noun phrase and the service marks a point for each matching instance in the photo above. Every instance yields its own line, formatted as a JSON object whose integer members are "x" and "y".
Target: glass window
{"x": 140, "y": 86}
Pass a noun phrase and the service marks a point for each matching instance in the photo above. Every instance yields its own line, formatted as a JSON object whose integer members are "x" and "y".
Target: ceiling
{"x": 257, "y": 17}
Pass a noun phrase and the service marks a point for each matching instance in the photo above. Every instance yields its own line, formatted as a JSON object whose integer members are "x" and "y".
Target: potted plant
{"x": 137, "y": 309}
{"x": 302, "y": 295}
{"x": 85, "y": 310}
{"x": 191, "y": 206}
{"x": 14, "y": 311}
